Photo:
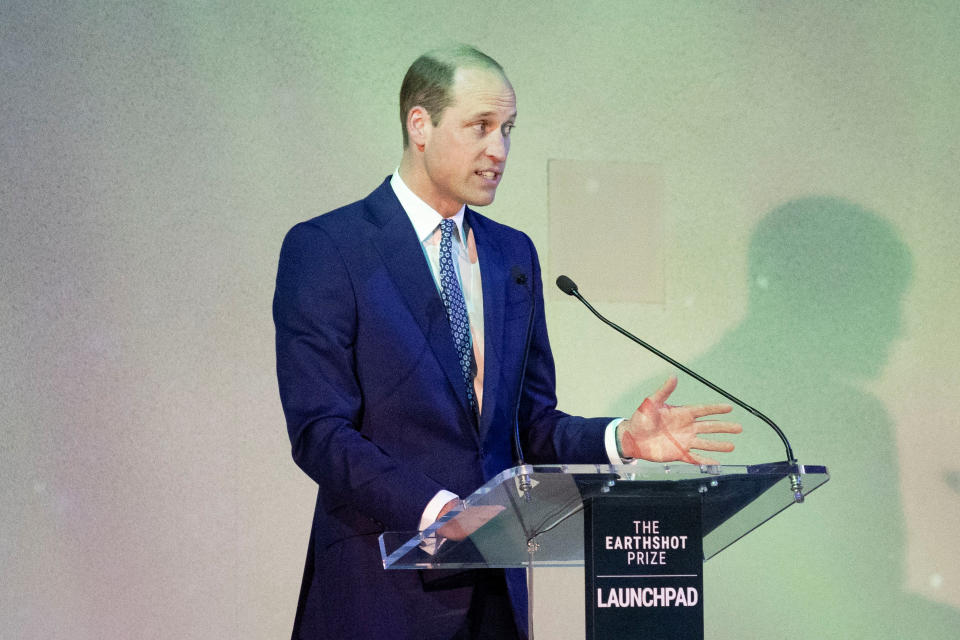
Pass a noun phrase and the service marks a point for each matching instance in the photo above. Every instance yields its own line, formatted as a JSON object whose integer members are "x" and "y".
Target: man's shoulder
{"x": 348, "y": 217}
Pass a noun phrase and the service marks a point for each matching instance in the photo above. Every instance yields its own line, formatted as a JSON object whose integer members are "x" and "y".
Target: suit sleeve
{"x": 550, "y": 435}
{"x": 315, "y": 313}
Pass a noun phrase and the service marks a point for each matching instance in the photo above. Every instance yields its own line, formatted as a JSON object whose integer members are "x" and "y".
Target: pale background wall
{"x": 152, "y": 155}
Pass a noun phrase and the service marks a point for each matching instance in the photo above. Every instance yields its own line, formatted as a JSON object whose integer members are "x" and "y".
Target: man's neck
{"x": 414, "y": 175}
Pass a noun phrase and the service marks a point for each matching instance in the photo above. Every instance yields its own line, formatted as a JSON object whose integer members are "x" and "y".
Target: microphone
{"x": 569, "y": 287}
{"x": 519, "y": 277}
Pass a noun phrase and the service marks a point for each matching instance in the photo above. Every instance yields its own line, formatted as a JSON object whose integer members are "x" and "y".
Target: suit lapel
{"x": 403, "y": 257}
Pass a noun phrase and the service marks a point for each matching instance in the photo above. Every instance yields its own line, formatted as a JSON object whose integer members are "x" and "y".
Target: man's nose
{"x": 498, "y": 146}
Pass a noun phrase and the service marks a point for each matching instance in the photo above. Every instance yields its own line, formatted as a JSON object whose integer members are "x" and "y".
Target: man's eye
{"x": 508, "y": 128}
{"x": 480, "y": 127}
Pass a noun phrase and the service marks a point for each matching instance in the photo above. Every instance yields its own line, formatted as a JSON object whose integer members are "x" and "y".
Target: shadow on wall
{"x": 827, "y": 280}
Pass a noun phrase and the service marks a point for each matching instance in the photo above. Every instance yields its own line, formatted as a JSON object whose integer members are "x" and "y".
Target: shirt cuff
{"x": 610, "y": 443}
{"x": 436, "y": 503}
{"x": 430, "y": 513}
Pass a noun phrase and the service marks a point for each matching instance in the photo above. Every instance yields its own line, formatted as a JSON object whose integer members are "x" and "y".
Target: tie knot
{"x": 446, "y": 228}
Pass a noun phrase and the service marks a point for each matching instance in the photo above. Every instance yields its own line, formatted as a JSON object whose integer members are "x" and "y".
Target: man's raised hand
{"x": 660, "y": 432}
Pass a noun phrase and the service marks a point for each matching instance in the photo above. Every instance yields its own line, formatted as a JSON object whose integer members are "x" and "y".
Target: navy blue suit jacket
{"x": 377, "y": 411}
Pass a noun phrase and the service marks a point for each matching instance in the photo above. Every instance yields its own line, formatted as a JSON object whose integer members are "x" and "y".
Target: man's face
{"x": 465, "y": 154}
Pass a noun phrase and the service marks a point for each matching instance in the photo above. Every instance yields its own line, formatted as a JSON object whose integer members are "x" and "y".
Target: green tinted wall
{"x": 152, "y": 157}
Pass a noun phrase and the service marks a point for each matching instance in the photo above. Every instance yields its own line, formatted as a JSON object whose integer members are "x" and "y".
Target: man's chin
{"x": 482, "y": 199}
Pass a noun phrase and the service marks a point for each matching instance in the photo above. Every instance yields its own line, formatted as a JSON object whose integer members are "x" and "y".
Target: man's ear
{"x": 418, "y": 126}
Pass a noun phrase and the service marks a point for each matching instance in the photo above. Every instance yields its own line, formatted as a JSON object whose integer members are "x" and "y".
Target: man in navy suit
{"x": 400, "y": 339}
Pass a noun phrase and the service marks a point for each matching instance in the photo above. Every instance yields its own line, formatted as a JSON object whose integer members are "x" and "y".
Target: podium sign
{"x": 644, "y": 568}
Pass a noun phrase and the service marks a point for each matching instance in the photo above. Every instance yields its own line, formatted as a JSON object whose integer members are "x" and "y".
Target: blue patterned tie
{"x": 456, "y": 307}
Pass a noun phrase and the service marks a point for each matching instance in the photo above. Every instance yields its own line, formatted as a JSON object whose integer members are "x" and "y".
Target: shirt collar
{"x": 424, "y": 218}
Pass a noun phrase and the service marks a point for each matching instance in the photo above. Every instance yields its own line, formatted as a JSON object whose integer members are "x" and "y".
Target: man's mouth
{"x": 489, "y": 174}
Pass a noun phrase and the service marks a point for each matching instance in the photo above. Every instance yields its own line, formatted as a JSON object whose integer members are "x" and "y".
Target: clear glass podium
{"x": 543, "y": 524}
{"x": 533, "y": 516}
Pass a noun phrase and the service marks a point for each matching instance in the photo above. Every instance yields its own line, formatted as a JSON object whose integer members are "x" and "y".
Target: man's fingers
{"x": 660, "y": 395}
{"x": 469, "y": 520}
{"x": 704, "y": 410}
{"x": 716, "y": 426}
{"x": 711, "y": 445}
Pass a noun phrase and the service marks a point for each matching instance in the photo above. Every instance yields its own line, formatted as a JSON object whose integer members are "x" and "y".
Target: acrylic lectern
{"x": 641, "y": 532}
